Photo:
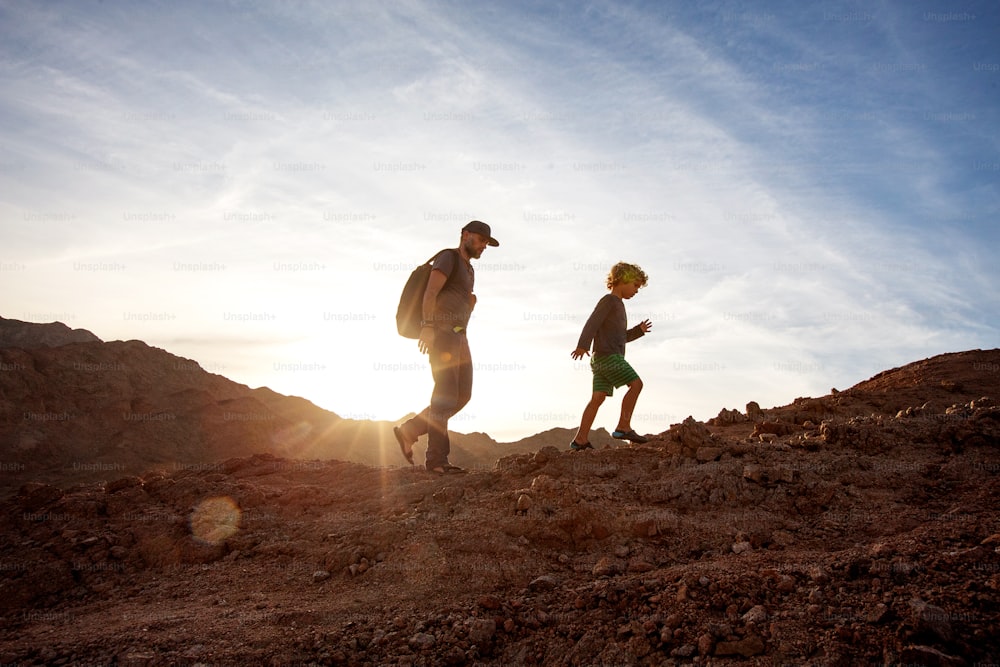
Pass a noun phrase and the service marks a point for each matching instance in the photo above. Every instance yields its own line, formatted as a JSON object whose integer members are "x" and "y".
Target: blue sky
{"x": 811, "y": 187}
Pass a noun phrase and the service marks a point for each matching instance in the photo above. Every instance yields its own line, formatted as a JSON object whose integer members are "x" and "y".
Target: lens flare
{"x": 215, "y": 520}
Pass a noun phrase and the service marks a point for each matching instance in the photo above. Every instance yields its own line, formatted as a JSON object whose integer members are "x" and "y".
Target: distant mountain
{"x": 90, "y": 410}
{"x": 75, "y": 409}
{"x": 29, "y": 335}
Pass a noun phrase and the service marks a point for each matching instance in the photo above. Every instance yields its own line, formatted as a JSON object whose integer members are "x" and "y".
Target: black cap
{"x": 483, "y": 230}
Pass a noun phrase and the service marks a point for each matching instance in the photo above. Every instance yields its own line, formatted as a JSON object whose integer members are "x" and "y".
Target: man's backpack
{"x": 410, "y": 309}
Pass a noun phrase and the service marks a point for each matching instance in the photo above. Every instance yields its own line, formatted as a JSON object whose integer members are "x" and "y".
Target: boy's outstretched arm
{"x": 638, "y": 330}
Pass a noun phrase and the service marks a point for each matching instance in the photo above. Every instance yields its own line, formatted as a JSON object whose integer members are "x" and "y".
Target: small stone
{"x": 876, "y": 614}
{"x": 523, "y": 503}
{"x": 785, "y": 474}
{"x": 482, "y": 631}
{"x": 705, "y": 644}
{"x": 993, "y": 539}
{"x": 545, "y": 582}
{"x": 757, "y": 614}
{"x": 422, "y": 641}
{"x": 931, "y": 619}
{"x": 121, "y": 484}
{"x": 741, "y": 547}
{"x": 685, "y": 651}
{"x": 489, "y": 602}
{"x": 819, "y": 575}
{"x": 509, "y": 625}
{"x": 320, "y": 575}
{"x": 786, "y": 584}
{"x": 606, "y": 567}
{"x": 706, "y": 454}
{"x": 638, "y": 565}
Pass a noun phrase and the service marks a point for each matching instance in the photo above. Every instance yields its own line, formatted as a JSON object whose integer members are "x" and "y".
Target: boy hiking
{"x": 607, "y": 329}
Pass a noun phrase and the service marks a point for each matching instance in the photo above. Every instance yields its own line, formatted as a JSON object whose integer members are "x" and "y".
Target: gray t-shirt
{"x": 454, "y": 301}
{"x": 607, "y": 328}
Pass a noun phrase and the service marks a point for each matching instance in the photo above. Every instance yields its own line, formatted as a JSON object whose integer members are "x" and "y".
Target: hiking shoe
{"x": 404, "y": 447}
{"x": 577, "y": 447}
{"x": 631, "y": 436}
{"x": 446, "y": 469}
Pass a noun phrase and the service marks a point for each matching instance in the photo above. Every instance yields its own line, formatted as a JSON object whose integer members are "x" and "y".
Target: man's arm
{"x": 435, "y": 283}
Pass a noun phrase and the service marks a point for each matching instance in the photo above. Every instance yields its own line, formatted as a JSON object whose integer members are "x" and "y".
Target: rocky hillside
{"x": 856, "y": 528}
{"x": 74, "y": 409}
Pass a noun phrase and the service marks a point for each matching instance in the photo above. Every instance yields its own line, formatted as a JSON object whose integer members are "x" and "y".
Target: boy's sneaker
{"x": 631, "y": 436}
{"x": 577, "y": 447}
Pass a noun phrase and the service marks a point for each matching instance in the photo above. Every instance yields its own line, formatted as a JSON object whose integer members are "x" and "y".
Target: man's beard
{"x": 472, "y": 251}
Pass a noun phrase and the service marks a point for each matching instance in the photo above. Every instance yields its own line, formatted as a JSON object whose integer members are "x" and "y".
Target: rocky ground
{"x": 860, "y": 528}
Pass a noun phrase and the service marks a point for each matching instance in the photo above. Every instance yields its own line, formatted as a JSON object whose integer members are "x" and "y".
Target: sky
{"x": 812, "y": 189}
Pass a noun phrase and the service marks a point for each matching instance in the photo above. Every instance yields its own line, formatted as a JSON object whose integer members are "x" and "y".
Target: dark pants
{"x": 451, "y": 364}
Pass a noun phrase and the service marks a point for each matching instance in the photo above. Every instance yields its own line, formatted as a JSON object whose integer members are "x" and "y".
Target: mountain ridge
{"x": 126, "y": 406}
{"x": 130, "y": 407}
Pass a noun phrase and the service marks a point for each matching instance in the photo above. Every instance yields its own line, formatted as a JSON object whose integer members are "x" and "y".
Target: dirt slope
{"x": 865, "y": 531}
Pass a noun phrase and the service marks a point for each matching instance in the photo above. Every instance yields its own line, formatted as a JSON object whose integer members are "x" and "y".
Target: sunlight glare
{"x": 215, "y": 520}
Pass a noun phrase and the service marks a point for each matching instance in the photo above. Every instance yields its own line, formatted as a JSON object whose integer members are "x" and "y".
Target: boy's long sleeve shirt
{"x": 607, "y": 328}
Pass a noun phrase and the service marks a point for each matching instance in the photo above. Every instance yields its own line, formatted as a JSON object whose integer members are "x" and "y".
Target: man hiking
{"x": 447, "y": 305}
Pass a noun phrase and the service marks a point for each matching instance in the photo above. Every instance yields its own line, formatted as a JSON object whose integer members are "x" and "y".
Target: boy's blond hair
{"x": 623, "y": 272}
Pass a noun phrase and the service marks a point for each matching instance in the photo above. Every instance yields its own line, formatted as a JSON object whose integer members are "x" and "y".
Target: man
{"x": 447, "y": 305}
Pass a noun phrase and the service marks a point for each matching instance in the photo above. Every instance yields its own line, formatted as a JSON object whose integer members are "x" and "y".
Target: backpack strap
{"x": 431, "y": 260}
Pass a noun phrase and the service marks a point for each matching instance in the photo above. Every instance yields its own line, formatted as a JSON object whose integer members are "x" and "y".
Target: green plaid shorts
{"x": 611, "y": 371}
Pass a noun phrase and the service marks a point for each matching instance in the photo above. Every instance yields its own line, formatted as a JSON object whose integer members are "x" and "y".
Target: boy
{"x": 606, "y": 329}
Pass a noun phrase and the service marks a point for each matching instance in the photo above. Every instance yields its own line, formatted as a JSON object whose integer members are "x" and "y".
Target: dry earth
{"x": 863, "y": 529}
